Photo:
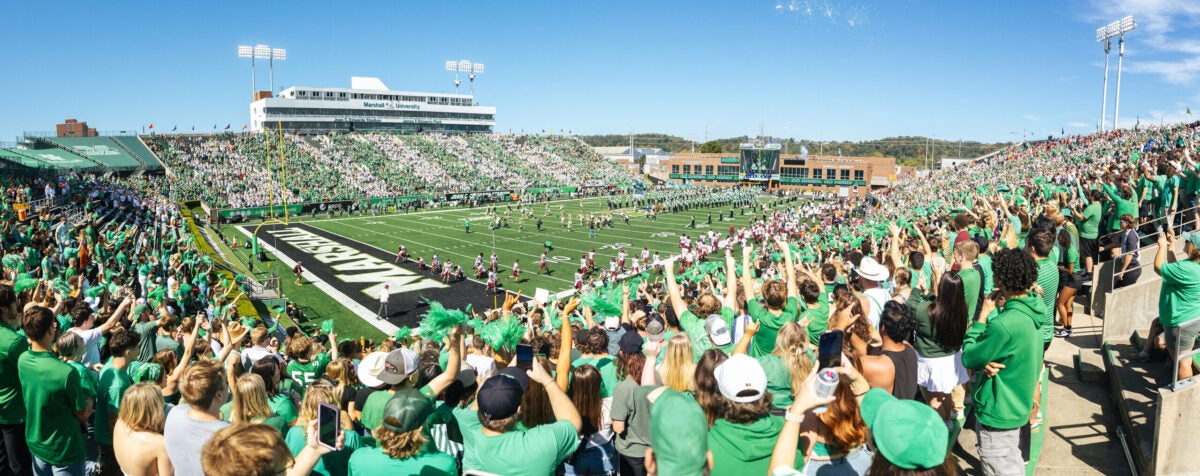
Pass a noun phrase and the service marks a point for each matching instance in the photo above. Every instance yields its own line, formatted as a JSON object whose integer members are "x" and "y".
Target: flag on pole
{"x": 1189, "y": 110}
{"x": 151, "y": 126}
{"x": 227, "y": 126}
{"x": 214, "y": 127}
{"x": 174, "y": 127}
{"x": 245, "y": 126}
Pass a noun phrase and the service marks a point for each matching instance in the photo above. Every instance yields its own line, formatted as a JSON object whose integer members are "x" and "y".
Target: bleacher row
{"x": 117, "y": 153}
{"x": 238, "y": 170}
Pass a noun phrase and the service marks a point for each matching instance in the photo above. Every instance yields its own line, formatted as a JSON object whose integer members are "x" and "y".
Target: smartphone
{"x": 649, "y": 308}
{"x": 525, "y": 356}
{"x": 328, "y": 425}
{"x": 829, "y": 349}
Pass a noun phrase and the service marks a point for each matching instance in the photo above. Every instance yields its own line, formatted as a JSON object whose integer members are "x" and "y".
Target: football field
{"x": 349, "y": 258}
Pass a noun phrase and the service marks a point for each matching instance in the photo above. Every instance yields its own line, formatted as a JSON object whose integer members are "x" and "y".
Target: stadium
{"x": 369, "y": 280}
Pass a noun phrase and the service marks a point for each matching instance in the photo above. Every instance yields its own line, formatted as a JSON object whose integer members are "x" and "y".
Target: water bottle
{"x": 827, "y": 381}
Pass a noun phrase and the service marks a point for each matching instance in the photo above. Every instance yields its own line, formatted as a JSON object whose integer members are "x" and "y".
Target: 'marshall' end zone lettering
{"x": 367, "y": 269}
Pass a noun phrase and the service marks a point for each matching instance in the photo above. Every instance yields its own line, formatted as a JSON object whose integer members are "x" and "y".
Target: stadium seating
{"x": 373, "y": 164}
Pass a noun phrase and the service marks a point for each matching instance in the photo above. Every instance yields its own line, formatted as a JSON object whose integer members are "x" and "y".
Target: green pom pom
{"x": 438, "y": 321}
{"x": 60, "y": 286}
{"x": 502, "y": 333}
{"x": 13, "y": 261}
{"x": 24, "y": 281}
{"x": 600, "y": 306}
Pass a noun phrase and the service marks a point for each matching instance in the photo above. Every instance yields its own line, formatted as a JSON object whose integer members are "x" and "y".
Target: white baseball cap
{"x": 369, "y": 367}
{"x": 741, "y": 379}
{"x": 717, "y": 330}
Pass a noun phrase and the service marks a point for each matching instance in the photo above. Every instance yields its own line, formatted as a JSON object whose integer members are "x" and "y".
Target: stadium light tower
{"x": 1106, "y": 33}
{"x": 248, "y": 52}
{"x": 277, "y": 54}
{"x": 464, "y": 66}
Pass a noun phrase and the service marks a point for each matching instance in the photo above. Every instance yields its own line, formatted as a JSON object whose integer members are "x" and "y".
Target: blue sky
{"x": 815, "y": 69}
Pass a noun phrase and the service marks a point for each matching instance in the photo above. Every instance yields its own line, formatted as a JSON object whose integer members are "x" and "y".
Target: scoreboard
{"x": 760, "y": 162}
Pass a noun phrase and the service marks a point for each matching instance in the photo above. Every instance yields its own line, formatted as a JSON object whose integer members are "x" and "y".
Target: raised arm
{"x": 673, "y": 287}
{"x": 747, "y": 281}
{"x": 562, "y": 371}
{"x": 792, "y": 288}
{"x": 447, "y": 376}
{"x": 731, "y": 280}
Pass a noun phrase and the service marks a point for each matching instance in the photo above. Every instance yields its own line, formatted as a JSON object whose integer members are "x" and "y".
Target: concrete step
{"x": 1089, "y": 366}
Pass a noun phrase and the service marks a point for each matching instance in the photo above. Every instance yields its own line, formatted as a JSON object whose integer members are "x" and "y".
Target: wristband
{"x": 859, "y": 388}
{"x": 792, "y": 417}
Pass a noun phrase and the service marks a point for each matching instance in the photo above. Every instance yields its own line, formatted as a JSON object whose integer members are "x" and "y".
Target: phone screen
{"x": 829, "y": 350}
{"x": 525, "y": 356}
{"x": 327, "y": 425}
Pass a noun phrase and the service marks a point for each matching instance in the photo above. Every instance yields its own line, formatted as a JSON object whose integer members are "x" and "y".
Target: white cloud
{"x": 1030, "y": 117}
{"x": 1078, "y": 125}
{"x": 1158, "y": 25}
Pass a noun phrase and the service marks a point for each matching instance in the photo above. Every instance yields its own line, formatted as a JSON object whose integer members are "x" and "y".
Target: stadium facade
{"x": 369, "y": 105}
{"x": 767, "y": 168}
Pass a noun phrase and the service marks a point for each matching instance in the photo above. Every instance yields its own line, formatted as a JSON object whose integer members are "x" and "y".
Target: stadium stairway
{"x": 1078, "y": 434}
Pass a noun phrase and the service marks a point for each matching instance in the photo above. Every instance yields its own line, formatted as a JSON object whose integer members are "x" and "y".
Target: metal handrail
{"x": 1177, "y": 385}
{"x": 1142, "y": 265}
{"x": 1192, "y": 209}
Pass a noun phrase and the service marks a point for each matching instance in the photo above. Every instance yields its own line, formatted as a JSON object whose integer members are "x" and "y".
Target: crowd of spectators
{"x": 850, "y": 337}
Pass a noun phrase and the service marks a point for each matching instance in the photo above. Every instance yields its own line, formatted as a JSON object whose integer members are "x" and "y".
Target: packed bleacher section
{"x": 934, "y": 290}
{"x": 231, "y": 170}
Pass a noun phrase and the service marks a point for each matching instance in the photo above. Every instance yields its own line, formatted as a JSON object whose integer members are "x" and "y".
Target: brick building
{"x": 848, "y": 176}
{"x": 73, "y": 128}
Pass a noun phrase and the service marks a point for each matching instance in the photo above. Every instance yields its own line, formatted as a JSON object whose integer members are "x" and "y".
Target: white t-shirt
{"x": 482, "y": 364}
{"x": 91, "y": 344}
{"x": 383, "y": 295}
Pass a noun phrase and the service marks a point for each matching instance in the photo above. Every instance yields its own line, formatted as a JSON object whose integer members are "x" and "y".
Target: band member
{"x": 299, "y": 270}
{"x": 447, "y": 271}
{"x": 491, "y": 282}
{"x": 421, "y": 266}
{"x": 516, "y": 270}
{"x": 578, "y": 281}
{"x": 495, "y": 263}
{"x": 542, "y": 263}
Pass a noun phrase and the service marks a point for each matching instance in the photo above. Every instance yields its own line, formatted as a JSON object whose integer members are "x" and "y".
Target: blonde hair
{"x": 250, "y": 402}
{"x": 142, "y": 408}
{"x": 790, "y": 348}
{"x": 679, "y": 364}
{"x": 313, "y": 397}
{"x": 399, "y": 445}
{"x": 246, "y": 449}
{"x": 342, "y": 372}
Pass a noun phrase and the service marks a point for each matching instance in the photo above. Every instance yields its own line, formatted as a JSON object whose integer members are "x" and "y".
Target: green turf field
{"x": 442, "y": 231}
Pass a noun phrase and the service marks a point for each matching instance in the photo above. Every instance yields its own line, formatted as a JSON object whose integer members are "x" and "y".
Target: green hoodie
{"x": 745, "y": 449}
{"x": 1011, "y": 338}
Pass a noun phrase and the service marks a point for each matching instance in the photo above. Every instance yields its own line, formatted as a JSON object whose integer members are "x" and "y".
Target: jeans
{"x": 632, "y": 466}
{"x": 14, "y": 453}
{"x": 42, "y": 468}
{"x": 855, "y": 463}
{"x": 594, "y": 461}
{"x": 1000, "y": 451}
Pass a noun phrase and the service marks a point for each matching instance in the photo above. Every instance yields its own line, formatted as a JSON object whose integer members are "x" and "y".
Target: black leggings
{"x": 14, "y": 453}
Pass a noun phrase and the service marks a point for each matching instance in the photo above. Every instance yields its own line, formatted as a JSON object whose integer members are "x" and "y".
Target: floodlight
{"x": 451, "y": 65}
{"x": 245, "y": 52}
{"x": 278, "y": 54}
{"x": 1127, "y": 24}
{"x": 464, "y": 66}
{"x": 477, "y": 68}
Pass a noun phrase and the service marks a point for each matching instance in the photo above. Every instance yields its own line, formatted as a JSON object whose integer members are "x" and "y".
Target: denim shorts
{"x": 855, "y": 463}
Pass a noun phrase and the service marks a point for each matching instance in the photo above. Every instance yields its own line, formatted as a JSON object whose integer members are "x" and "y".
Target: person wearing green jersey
{"x": 55, "y": 406}
{"x": 114, "y": 379}
{"x": 1179, "y": 299}
{"x": 1068, "y": 281}
{"x": 13, "y": 449}
{"x": 308, "y": 359}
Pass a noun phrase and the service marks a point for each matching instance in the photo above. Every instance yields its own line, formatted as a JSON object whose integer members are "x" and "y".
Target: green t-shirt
{"x": 148, "y": 343}
{"x": 972, "y": 281}
{"x": 1048, "y": 280}
{"x": 112, "y": 385}
{"x": 12, "y": 403}
{"x": 769, "y": 324}
{"x": 1165, "y": 188}
{"x": 373, "y": 461}
{"x": 693, "y": 326}
{"x": 631, "y": 406}
{"x": 608, "y": 372}
{"x": 533, "y": 452}
{"x": 372, "y": 410}
{"x": 333, "y": 463}
{"x": 52, "y": 395}
{"x": 283, "y": 405}
{"x": 926, "y": 343}
{"x": 985, "y": 263}
{"x": 779, "y": 380}
{"x": 1179, "y": 298}
{"x": 308, "y": 372}
{"x": 166, "y": 343}
{"x": 87, "y": 379}
{"x": 1090, "y": 227}
{"x": 818, "y": 320}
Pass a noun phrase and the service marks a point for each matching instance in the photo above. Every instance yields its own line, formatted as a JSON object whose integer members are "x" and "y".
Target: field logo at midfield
{"x": 352, "y": 266}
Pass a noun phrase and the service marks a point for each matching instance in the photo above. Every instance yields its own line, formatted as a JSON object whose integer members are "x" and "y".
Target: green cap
{"x": 406, "y": 411}
{"x": 678, "y": 434}
{"x": 145, "y": 372}
{"x": 1192, "y": 237}
{"x": 909, "y": 434}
